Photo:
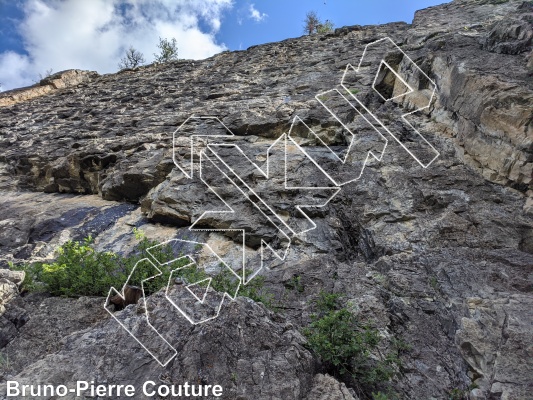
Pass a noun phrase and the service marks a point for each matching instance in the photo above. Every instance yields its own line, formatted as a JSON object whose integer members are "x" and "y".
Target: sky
{"x": 37, "y": 36}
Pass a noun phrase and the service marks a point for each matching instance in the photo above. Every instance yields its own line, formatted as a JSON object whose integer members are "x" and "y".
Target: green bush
{"x": 345, "y": 346}
{"x": 225, "y": 281}
{"x": 379, "y": 396}
{"x": 295, "y": 284}
{"x": 458, "y": 394}
{"x": 326, "y": 27}
{"x": 255, "y": 290}
{"x": 80, "y": 270}
{"x": 77, "y": 270}
{"x": 312, "y": 24}
{"x": 168, "y": 51}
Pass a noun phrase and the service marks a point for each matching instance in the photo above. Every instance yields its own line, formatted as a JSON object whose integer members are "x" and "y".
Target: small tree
{"x": 132, "y": 59}
{"x": 168, "y": 51}
{"x": 311, "y": 23}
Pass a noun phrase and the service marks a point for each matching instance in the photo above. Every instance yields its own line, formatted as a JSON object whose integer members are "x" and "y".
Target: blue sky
{"x": 39, "y": 35}
{"x": 284, "y": 18}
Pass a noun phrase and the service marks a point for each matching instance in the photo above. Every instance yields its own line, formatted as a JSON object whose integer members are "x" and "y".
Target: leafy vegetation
{"x": 81, "y": 270}
{"x": 458, "y": 394}
{"x": 347, "y": 347}
{"x": 312, "y": 24}
{"x": 434, "y": 282}
{"x": 326, "y": 27}
{"x": 168, "y": 51}
{"x": 295, "y": 284}
{"x": 255, "y": 290}
{"x": 380, "y": 396}
{"x": 225, "y": 281}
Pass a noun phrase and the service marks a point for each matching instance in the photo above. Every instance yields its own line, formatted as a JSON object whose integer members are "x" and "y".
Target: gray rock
{"x": 439, "y": 257}
{"x": 513, "y": 34}
{"x": 248, "y": 351}
{"x": 490, "y": 336}
{"x": 9, "y": 286}
{"x": 326, "y": 387}
{"x": 41, "y": 325}
{"x": 17, "y": 277}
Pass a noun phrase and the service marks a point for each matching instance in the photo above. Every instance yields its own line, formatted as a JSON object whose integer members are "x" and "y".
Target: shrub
{"x": 254, "y": 289}
{"x": 458, "y": 394}
{"x": 326, "y": 27}
{"x": 345, "y": 345}
{"x": 80, "y": 270}
{"x": 132, "y": 59}
{"x": 379, "y": 396}
{"x": 168, "y": 51}
{"x": 295, "y": 284}
{"x": 312, "y": 24}
{"x": 41, "y": 76}
{"x": 46, "y": 74}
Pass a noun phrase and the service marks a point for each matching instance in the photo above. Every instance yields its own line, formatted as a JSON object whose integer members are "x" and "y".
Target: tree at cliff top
{"x": 132, "y": 59}
{"x": 168, "y": 51}
{"x": 312, "y": 24}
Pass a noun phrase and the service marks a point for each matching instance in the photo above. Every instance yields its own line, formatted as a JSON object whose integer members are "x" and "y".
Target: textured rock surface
{"x": 441, "y": 258}
{"x": 327, "y": 388}
{"x": 490, "y": 337}
{"x": 40, "y": 324}
{"x": 109, "y": 135}
{"x": 253, "y": 353}
{"x": 59, "y": 80}
{"x": 9, "y": 284}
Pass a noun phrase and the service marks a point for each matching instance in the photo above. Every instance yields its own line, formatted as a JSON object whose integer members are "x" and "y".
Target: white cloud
{"x": 256, "y": 15}
{"x": 14, "y": 70}
{"x": 93, "y": 35}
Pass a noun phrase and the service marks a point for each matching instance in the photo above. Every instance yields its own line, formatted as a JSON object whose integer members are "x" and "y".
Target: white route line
{"x": 433, "y": 84}
{"x": 343, "y": 161}
{"x": 113, "y": 292}
{"x": 247, "y": 197}
{"x": 260, "y": 204}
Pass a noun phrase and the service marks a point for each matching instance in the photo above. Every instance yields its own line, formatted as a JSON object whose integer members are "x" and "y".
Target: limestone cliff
{"x": 439, "y": 257}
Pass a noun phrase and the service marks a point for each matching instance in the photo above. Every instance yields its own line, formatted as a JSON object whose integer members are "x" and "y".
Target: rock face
{"x": 9, "y": 284}
{"x": 438, "y": 257}
{"x": 248, "y": 350}
{"x": 59, "y": 80}
{"x": 327, "y": 388}
{"x": 505, "y": 332}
